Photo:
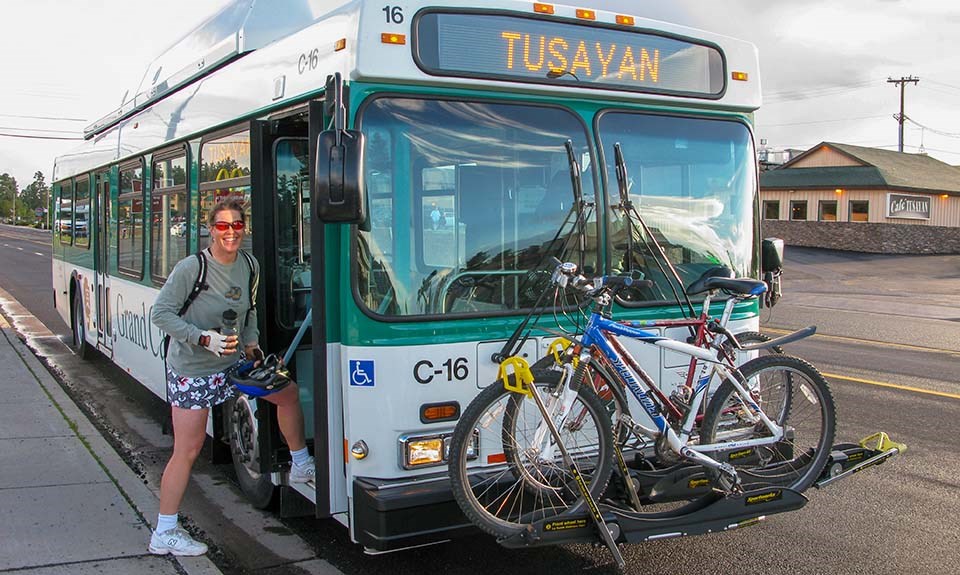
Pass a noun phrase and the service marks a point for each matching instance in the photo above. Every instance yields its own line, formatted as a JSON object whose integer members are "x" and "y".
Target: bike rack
{"x": 725, "y": 513}
{"x": 848, "y": 458}
{"x": 718, "y": 514}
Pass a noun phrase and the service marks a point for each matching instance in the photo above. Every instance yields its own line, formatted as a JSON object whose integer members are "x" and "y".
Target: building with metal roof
{"x": 820, "y": 197}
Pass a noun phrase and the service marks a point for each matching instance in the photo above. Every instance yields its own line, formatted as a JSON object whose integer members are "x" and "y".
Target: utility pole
{"x": 901, "y": 117}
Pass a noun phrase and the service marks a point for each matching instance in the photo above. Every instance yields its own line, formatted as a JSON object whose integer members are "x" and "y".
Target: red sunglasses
{"x": 224, "y": 226}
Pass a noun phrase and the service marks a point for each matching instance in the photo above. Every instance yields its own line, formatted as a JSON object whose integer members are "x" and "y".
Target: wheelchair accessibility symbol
{"x": 361, "y": 373}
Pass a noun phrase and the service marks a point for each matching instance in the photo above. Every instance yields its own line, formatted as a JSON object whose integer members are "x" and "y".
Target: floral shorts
{"x": 197, "y": 392}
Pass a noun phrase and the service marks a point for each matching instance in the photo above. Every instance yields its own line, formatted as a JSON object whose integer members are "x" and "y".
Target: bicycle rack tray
{"x": 717, "y": 515}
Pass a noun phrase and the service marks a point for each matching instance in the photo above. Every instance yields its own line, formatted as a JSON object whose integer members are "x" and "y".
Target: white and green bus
{"x": 406, "y": 172}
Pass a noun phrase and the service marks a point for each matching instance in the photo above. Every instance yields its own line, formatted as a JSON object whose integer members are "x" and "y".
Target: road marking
{"x": 869, "y": 342}
{"x": 19, "y": 249}
{"x": 892, "y": 385}
{"x": 41, "y": 255}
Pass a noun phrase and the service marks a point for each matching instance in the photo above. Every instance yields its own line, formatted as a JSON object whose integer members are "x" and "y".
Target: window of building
{"x": 859, "y": 210}
{"x": 771, "y": 209}
{"x": 225, "y": 175}
{"x": 798, "y": 210}
{"x": 130, "y": 221}
{"x": 168, "y": 215}
{"x": 64, "y": 221}
{"x": 81, "y": 212}
{"x": 828, "y": 211}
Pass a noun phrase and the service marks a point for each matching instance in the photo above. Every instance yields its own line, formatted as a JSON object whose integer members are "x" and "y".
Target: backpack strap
{"x": 199, "y": 285}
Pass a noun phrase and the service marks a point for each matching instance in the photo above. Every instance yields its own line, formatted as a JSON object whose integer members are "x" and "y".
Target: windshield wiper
{"x": 576, "y": 181}
{"x": 630, "y": 212}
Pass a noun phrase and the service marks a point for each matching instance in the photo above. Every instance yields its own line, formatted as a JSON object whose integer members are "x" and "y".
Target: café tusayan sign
{"x": 908, "y": 207}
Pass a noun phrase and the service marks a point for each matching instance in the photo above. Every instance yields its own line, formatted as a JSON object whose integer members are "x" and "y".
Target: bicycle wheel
{"x": 792, "y": 393}
{"x": 520, "y": 476}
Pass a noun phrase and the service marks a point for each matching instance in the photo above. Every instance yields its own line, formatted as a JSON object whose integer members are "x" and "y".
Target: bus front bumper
{"x": 394, "y": 515}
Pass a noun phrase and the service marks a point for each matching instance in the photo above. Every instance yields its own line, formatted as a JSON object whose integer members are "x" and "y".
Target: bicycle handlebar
{"x": 565, "y": 274}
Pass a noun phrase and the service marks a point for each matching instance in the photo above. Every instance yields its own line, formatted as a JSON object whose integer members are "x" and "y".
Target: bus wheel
{"x": 80, "y": 345}
{"x": 241, "y": 422}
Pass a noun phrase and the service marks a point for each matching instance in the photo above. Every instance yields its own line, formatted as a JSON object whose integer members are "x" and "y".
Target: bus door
{"x": 280, "y": 162}
{"x": 102, "y": 263}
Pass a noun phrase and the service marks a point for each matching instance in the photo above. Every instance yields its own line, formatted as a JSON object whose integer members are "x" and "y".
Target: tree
{"x": 8, "y": 192}
{"x": 35, "y": 195}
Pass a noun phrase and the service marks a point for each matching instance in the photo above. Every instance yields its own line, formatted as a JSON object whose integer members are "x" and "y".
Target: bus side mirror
{"x": 771, "y": 264}
{"x": 339, "y": 190}
{"x": 771, "y": 255}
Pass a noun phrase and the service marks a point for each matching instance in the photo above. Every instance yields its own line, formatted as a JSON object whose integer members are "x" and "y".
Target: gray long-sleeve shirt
{"x": 229, "y": 288}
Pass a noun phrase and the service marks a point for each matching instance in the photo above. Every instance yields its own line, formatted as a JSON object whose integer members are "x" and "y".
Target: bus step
{"x": 849, "y": 458}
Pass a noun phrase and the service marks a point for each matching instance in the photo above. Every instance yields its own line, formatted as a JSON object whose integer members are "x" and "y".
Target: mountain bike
{"x": 525, "y": 450}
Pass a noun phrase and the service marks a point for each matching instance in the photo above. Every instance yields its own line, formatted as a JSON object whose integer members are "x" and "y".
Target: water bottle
{"x": 229, "y": 323}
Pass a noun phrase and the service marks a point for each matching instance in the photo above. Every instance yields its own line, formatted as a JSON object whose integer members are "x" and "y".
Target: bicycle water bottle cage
{"x": 522, "y": 376}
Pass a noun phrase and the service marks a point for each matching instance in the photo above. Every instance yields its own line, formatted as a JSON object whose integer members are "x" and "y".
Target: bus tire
{"x": 241, "y": 432}
{"x": 80, "y": 345}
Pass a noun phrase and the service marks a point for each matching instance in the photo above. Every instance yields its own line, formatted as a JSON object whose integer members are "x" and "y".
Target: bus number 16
{"x": 454, "y": 369}
{"x": 394, "y": 14}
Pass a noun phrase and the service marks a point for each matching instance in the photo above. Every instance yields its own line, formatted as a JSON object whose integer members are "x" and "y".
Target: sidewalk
{"x": 68, "y": 503}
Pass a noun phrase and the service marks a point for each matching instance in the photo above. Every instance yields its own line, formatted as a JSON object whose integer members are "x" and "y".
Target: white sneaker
{"x": 303, "y": 473}
{"x": 177, "y": 542}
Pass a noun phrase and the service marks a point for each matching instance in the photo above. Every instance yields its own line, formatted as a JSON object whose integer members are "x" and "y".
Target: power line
{"x": 36, "y": 137}
{"x": 935, "y": 131}
{"x": 42, "y": 118}
{"x": 38, "y": 130}
{"x": 762, "y": 125}
{"x": 943, "y": 84}
{"x": 791, "y": 95}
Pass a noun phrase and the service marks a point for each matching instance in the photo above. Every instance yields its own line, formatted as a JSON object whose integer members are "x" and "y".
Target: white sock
{"x": 300, "y": 457}
{"x": 166, "y": 522}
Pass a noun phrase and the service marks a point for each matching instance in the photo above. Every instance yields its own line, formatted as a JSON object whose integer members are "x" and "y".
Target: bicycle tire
{"x": 794, "y": 394}
{"x": 506, "y": 493}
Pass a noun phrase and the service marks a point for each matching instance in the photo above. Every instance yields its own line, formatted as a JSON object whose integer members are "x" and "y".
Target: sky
{"x": 824, "y": 67}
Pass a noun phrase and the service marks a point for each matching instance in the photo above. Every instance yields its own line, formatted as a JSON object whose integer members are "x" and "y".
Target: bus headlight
{"x": 417, "y": 451}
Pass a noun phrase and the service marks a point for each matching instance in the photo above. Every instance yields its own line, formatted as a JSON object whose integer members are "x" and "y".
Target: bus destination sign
{"x": 483, "y": 45}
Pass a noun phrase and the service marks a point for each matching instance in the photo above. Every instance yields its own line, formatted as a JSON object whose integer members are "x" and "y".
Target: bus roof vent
{"x": 240, "y": 27}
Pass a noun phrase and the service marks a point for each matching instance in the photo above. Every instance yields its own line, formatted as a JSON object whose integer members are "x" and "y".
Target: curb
{"x": 144, "y": 501}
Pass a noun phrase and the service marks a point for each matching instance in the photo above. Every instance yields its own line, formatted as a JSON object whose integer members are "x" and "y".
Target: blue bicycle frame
{"x": 596, "y": 334}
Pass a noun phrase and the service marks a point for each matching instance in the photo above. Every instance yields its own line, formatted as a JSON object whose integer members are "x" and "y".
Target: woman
{"x": 197, "y": 358}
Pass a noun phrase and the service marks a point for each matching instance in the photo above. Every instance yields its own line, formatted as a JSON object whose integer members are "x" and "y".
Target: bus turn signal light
{"x": 739, "y": 76}
{"x": 393, "y": 38}
{"x": 340, "y": 44}
{"x": 436, "y": 412}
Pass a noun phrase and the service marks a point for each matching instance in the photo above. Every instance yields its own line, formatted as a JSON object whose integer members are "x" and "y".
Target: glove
{"x": 218, "y": 344}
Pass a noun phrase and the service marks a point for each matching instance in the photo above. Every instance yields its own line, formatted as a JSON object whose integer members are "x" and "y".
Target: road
{"x": 889, "y": 338}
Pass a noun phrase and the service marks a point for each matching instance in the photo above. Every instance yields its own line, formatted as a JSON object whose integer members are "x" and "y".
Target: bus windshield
{"x": 465, "y": 199}
{"x": 692, "y": 181}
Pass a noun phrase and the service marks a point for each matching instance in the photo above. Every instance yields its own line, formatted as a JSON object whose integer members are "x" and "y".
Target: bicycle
{"x": 535, "y": 461}
{"x": 708, "y": 332}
